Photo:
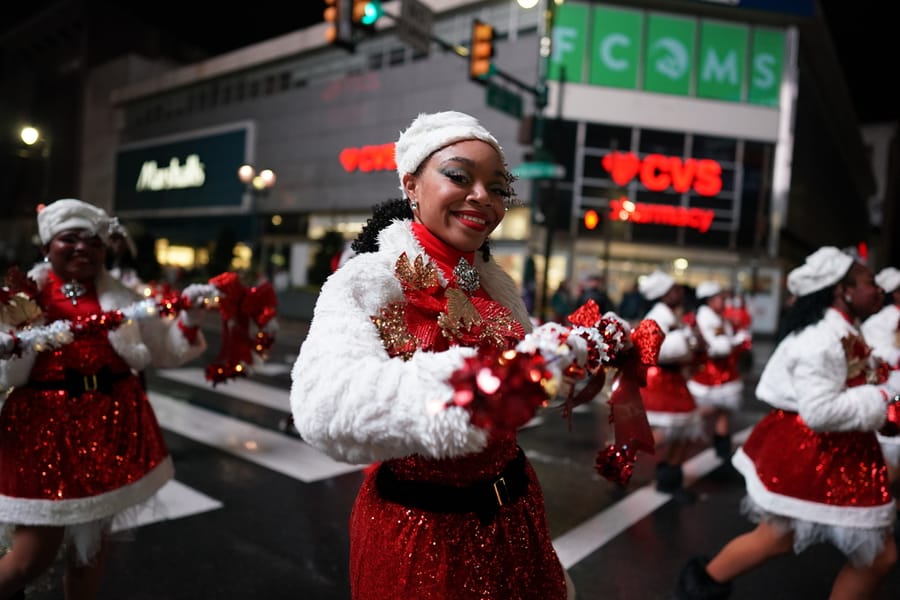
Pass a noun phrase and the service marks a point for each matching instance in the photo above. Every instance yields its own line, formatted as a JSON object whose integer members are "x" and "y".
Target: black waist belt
{"x": 76, "y": 383}
{"x": 484, "y": 498}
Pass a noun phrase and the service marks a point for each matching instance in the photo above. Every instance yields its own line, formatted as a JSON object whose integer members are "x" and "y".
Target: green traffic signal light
{"x": 371, "y": 13}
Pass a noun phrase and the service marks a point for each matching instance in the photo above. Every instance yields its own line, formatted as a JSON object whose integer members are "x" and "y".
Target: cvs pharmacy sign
{"x": 658, "y": 172}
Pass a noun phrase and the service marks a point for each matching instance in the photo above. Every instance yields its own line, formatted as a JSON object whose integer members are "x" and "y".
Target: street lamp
{"x": 31, "y": 136}
{"x": 257, "y": 184}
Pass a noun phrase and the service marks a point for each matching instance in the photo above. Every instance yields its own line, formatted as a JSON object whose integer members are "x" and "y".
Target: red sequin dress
{"x": 70, "y": 459}
{"x": 716, "y": 379}
{"x": 399, "y": 552}
{"x": 669, "y": 404}
{"x": 826, "y": 473}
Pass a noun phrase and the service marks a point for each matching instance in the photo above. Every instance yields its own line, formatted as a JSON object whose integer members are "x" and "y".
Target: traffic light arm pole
{"x": 538, "y": 91}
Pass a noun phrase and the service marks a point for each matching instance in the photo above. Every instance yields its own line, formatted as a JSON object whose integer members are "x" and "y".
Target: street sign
{"x": 414, "y": 25}
{"x": 504, "y": 100}
{"x": 539, "y": 170}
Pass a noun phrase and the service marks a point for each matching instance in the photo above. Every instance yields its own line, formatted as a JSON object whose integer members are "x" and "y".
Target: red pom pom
{"x": 500, "y": 390}
{"x": 616, "y": 463}
{"x": 648, "y": 337}
{"x": 586, "y": 315}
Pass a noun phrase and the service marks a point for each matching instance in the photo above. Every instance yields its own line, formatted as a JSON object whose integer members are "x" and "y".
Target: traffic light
{"x": 340, "y": 25}
{"x": 481, "y": 51}
{"x": 366, "y": 13}
{"x": 591, "y": 219}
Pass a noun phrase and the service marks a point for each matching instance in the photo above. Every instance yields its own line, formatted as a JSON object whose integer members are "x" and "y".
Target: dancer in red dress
{"x": 813, "y": 467}
{"x": 79, "y": 443}
{"x": 715, "y": 382}
{"x": 671, "y": 410}
{"x": 451, "y": 509}
{"x": 882, "y": 333}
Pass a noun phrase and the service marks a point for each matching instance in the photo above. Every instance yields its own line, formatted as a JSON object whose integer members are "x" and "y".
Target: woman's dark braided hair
{"x": 383, "y": 215}
{"x": 810, "y": 308}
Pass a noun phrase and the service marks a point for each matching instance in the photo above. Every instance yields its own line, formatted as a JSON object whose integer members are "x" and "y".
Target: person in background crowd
{"x": 715, "y": 382}
{"x": 632, "y": 307}
{"x": 80, "y": 443}
{"x": 593, "y": 287}
{"x": 813, "y": 468}
{"x": 450, "y": 509}
{"x": 671, "y": 410}
{"x": 882, "y": 333}
{"x": 562, "y": 302}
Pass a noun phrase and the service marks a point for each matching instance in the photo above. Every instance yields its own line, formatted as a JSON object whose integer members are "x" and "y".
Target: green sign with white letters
{"x": 679, "y": 55}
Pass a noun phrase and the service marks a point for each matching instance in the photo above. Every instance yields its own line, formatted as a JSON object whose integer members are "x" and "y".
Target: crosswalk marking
{"x": 173, "y": 501}
{"x": 243, "y": 389}
{"x": 264, "y": 447}
{"x": 299, "y": 460}
{"x": 576, "y": 544}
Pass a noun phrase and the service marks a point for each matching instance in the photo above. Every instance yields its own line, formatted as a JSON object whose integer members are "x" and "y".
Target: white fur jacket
{"x": 717, "y": 332}
{"x": 807, "y": 373}
{"x": 882, "y": 332}
{"x": 141, "y": 343}
{"x": 350, "y": 399}
{"x": 676, "y": 347}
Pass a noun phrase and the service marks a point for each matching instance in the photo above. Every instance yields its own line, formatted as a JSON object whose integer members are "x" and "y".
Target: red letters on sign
{"x": 659, "y": 172}
{"x": 368, "y": 158}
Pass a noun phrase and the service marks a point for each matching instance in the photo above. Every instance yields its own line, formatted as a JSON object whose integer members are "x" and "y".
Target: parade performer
{"x": 715, "y": 382}
{"x": 882, "y": 333}
{"x": 397, "y": 362}
{"x": 79, "y": 443}
{"x": 671, "y": 410}
{"x": 813, "y": 468}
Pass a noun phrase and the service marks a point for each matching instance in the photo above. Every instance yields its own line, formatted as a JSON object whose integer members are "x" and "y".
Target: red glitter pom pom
{"x": 502, "y": 391}
{"x": 648, "y": 337}
{"x": 616, "y": 464}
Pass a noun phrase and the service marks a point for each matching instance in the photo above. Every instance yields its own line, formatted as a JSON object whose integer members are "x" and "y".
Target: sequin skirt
{"x": 401, "y": 552}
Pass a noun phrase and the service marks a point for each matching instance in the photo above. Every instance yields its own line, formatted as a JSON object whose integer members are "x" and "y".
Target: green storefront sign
{"x": 670, "y": 42}
{"x": 665, "y": 53}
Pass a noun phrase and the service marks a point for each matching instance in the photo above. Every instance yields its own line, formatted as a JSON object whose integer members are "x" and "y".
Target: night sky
{"x": 863, "y": 31}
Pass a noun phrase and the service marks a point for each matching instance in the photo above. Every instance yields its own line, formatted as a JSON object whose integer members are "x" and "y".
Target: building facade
{"x": 710, "y": 140}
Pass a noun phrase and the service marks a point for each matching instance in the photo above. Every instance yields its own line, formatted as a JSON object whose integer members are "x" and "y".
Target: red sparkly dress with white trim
{"x": 70, "y": 458}
{"x": 668, "y": 401}
{"x": 402, "y": 552}
{"x": 824, "y": 467}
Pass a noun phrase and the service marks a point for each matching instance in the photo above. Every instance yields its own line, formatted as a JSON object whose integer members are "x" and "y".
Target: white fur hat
{"x": 69, "y": 213}
{"x": 708, "y": 289}
{"x": 430, "y": 132}
{"x": 655, "y": 285}
{"x": 888, "y": 279}
{"x": 824, "y": 267}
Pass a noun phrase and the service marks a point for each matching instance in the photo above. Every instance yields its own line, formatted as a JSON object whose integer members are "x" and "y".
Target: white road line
{"x": 580, "y": 541}
{"x": 243, "y": 389}
{"x": 258, "y": 445}
{"x": 173, "y": 501}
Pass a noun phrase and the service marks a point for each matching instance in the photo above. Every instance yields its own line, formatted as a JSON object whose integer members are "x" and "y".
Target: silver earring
{"x": 46, "y": 259}
{"x": 847, "y": 298}
{"x": 414, "y": 205}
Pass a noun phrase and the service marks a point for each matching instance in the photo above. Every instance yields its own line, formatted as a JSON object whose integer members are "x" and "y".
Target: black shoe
{"x": 694, "y": 583}
{"x": 670, "y": 480}
{"x": 668, "y": 477}
{"x": 722, "y": 446}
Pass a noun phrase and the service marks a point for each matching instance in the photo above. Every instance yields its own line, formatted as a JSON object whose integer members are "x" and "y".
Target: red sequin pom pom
{"x": 501, "y": 390}
{"x": 616, "y": 463}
